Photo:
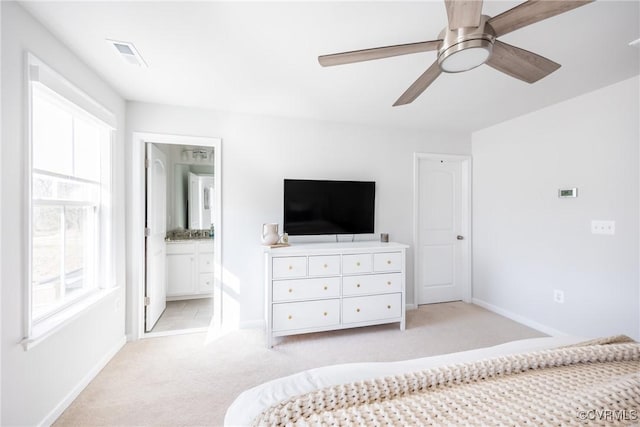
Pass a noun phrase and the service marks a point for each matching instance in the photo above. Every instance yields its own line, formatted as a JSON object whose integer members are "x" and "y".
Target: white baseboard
{"x": 518, "y": 318}
{"x": 75, "y": 392}
{"x": 252, "y": 324}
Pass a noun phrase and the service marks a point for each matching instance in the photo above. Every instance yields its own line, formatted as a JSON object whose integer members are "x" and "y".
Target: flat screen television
{"x": 313, "y": 207}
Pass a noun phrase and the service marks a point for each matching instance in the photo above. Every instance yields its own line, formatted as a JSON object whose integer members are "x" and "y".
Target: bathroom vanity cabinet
{"x": 190, "y": 268}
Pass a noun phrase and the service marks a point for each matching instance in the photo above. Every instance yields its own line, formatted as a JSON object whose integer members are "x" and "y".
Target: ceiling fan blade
{"x": 377, "y": 53}
{"x": 419, "y": 85}
{"x": 531, "y": 12}
{"x": 520, "y": 63}
{"x": 463, "y": 13}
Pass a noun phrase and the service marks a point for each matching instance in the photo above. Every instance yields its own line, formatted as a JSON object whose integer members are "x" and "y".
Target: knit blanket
{"x": 596, "y": 383}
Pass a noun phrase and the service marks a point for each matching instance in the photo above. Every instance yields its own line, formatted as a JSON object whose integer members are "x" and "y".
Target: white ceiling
{"x": 262, "y": 57}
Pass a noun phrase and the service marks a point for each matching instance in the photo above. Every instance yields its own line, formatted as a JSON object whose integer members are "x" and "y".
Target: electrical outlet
{"x": 603, "y": 227}
{"x": 558, "y": 296}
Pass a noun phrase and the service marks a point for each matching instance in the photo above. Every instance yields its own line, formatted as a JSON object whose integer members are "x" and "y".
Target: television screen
{"x": 314, "y": 207}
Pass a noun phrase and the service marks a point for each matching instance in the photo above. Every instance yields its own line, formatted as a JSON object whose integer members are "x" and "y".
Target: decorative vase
{"x": 270, "y": 234}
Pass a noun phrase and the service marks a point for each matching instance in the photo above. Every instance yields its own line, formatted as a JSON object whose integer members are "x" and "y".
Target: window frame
{"x": 86, "y": 108}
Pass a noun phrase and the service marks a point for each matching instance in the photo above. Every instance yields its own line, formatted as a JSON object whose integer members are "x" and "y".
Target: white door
{"x": 442, "y": 257}
{"x": 156, "y": 211}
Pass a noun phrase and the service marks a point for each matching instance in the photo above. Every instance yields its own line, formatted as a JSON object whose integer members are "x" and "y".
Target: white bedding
{"x": 250, "y": 403}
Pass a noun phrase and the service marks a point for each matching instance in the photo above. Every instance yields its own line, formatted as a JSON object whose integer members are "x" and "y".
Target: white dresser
{"x": 326, "y": 286}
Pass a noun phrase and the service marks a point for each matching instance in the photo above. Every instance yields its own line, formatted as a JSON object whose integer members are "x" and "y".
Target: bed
{"x": 534, "y": 381}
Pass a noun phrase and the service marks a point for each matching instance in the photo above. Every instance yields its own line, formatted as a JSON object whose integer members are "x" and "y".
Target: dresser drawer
{"x": 324, "y": 265}
{"x": 298, "y": 289}
{"x": 205, "y": 263}
{"x": 387, "y": 261}
{"x": 376, "y": 307}
{"x": 356, "y": 264}
{"x": 372, "y": 284}
{"x": 304, "y": 315}
{"x": 295, "y": 266}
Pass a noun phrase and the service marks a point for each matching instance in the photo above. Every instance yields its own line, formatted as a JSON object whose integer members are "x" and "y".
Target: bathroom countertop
{"x": 188, "y": 239}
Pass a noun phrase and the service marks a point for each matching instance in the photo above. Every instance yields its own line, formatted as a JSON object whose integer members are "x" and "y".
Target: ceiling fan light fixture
{"x": 469, "y": 40}
{"x": 465, "y": 56}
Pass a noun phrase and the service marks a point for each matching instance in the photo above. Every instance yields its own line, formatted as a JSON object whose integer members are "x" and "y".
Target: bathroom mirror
{"x": 200, "y": 201}
{"x": 190, "y": 189}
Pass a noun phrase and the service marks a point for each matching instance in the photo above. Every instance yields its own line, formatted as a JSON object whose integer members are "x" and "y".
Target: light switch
{"x": 603, "y": 227}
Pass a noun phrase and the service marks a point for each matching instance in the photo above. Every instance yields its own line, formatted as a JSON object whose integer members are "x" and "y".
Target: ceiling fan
{"x": 470, "y": 40}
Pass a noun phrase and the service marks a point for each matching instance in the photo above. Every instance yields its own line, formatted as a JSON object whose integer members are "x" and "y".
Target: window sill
{"x": 53, "y": 324}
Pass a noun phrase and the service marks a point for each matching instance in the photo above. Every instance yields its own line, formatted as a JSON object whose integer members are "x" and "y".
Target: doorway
{"x": 177, "y": 204}
{"x": 442, "y": 228}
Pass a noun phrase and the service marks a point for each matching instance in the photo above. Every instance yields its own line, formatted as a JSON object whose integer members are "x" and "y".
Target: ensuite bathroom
{"x": 189, "y": 241}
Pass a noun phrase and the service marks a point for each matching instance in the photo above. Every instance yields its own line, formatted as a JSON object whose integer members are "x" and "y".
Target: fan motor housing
{"x": 459, "y": 39}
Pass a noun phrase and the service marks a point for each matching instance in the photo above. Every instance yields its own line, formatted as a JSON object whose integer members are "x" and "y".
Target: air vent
{"x": 128, "y": 52}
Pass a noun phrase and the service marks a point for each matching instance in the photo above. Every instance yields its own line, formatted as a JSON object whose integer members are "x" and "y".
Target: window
{"x": 70, "y": 175}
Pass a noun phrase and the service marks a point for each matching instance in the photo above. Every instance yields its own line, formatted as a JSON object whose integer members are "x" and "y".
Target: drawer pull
{"x": 358, "y": 264}
{"x": 358, "y": 285}
{"x": 290, "y": 290}
{"x": 357, "y": 310}
{"x": 326, "y": 287}
{"x": 290, "y": 317}
{"x": 389, "y": 307}
{"x": 325, "y": 266}
{"x": 388, "y": 261}
{"x": 389, "y": 282}
{"x": 290, "y": 267}
{"x": 325, "y": 313}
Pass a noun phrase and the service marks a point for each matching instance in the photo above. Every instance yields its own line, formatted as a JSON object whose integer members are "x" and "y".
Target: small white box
{"x": 603, "y": 227}
{"x": 567, "y": 192}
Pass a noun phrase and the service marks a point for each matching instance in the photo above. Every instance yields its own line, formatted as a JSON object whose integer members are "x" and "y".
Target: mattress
{"x": 251, "y": 403}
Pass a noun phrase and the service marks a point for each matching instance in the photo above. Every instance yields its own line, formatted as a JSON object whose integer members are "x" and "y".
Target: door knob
{"x": 460, "y": 237}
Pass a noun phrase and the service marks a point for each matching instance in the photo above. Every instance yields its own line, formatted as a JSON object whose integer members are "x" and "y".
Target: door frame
{"x": 466, "y": 197}
{"x": 139, "y": 141}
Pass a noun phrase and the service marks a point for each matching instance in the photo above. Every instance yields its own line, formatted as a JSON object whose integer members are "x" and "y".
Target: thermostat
{"x": 568, "y": 192}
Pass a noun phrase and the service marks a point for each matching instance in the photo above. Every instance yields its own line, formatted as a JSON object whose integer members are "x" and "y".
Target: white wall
{"x": 259, "y": 152}
{"x": 528, "y": 242}
{"x": 37, "y": 383}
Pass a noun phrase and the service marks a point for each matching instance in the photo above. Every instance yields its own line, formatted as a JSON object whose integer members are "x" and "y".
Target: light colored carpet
{"x": 185, "y": 381}
{"x": 185, "y": 314}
